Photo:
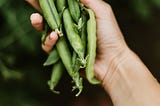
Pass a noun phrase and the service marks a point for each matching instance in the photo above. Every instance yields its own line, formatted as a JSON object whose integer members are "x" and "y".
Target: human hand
{"x": 110, "y": 42}
{"x": 37, "y": 23}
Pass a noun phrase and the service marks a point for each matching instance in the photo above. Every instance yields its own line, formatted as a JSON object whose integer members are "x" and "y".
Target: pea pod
{"x": 52, "y": 58}
{"x": 74, "y": 9}
{"x": 56, "y": 75}
{"x": 76, "y": 77}
{"x": 91, "y": 47}
{"x": 65, "y": 55}
{"x": 61, "y": 5}
{"x": 75, "y": 63}
{"x": 83, "y": 31}
{"x": 83, "y": 35}
{"x": 44, "y": 33}
{"x": 50, "y": 14}
{"x": 73, "y": 36}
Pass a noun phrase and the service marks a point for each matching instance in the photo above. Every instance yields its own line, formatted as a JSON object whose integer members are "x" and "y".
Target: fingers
{"x": 100, "y": 8}
{"x": 37, "y": 21}
{"x": 50, "y": 42}
{"x": 35, "y": 4}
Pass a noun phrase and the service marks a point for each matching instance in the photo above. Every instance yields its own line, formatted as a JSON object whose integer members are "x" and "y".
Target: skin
{"x": 121, "y": 72}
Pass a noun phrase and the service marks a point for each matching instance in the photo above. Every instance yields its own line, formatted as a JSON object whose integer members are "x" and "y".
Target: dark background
{"x": 23, "y": 79}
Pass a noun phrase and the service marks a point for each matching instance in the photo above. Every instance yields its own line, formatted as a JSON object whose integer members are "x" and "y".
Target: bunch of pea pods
{"x": 76, "y": 47}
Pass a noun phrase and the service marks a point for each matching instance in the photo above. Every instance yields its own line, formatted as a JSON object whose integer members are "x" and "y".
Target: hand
{"x": 37, "y": 23}
{"x": 114, "y": 59}
{"x": 110, "y": 42}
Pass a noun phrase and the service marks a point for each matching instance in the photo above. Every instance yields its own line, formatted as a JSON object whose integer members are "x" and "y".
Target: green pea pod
{"x": 91, "y": 47}
{"x": 52, "y": 58}
{"x": 73, "y": 37}
{"x": 74, "y": 9}
{"x": 56, "y": 75}
{"x": 61, "y": 5}
{"x": 76, "y": 76}
{"x": 83, "y": 34}
{"x": 50, "y": 14}
{"x": 65, "y": 55}
{"x": 75, "y": 62}
{"x": 83, "y": 31}
{"x": 44, "y": 33}
{"x": 78, "y": 83}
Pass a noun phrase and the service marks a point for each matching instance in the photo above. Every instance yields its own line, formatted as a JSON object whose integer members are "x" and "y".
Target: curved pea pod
{"x": 73, "y": 36}
{"x": 52, "y": 58}
{"x": 65, "y": 55}
{"x": 83, "y": 31}
{"x": 83, "y": 35}
{"x": 74, "y": 9}
{"x": 50, "y": 14}
{"x": 61, "y": 5}
{"x": 91, "y": 47}
{"x": 76, "y": 76}
{"x": 56, "y": 75}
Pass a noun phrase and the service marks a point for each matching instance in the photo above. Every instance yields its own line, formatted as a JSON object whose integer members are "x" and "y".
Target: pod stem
{"x": 59, "y": 32}
{"x": 78, "y": 84}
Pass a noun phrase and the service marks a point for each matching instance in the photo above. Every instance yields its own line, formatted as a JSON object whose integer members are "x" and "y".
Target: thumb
{"x": 100, "y": 8}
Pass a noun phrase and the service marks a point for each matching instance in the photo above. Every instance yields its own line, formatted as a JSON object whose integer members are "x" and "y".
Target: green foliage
{"x": 19, "y": 44}
{"x": 144, "y": 9}
{"x": 156, "y": 3}
{"x": 17, "y": 35}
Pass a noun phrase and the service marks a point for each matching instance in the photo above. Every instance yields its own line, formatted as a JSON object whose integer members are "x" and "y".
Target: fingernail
{"x": 53, "y": 35}
{"x": 36, "y": 18}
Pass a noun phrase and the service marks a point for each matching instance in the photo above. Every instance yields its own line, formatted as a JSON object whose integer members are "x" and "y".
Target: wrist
{"x": 129, "y": 78}
{"x": 114, "y": 65}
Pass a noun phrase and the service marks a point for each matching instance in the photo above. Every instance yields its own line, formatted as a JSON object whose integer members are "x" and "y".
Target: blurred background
{"x": 23, "y": 79}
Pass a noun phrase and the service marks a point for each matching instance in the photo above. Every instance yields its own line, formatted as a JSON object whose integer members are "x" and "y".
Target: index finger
{"x": 35, "y": 4}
